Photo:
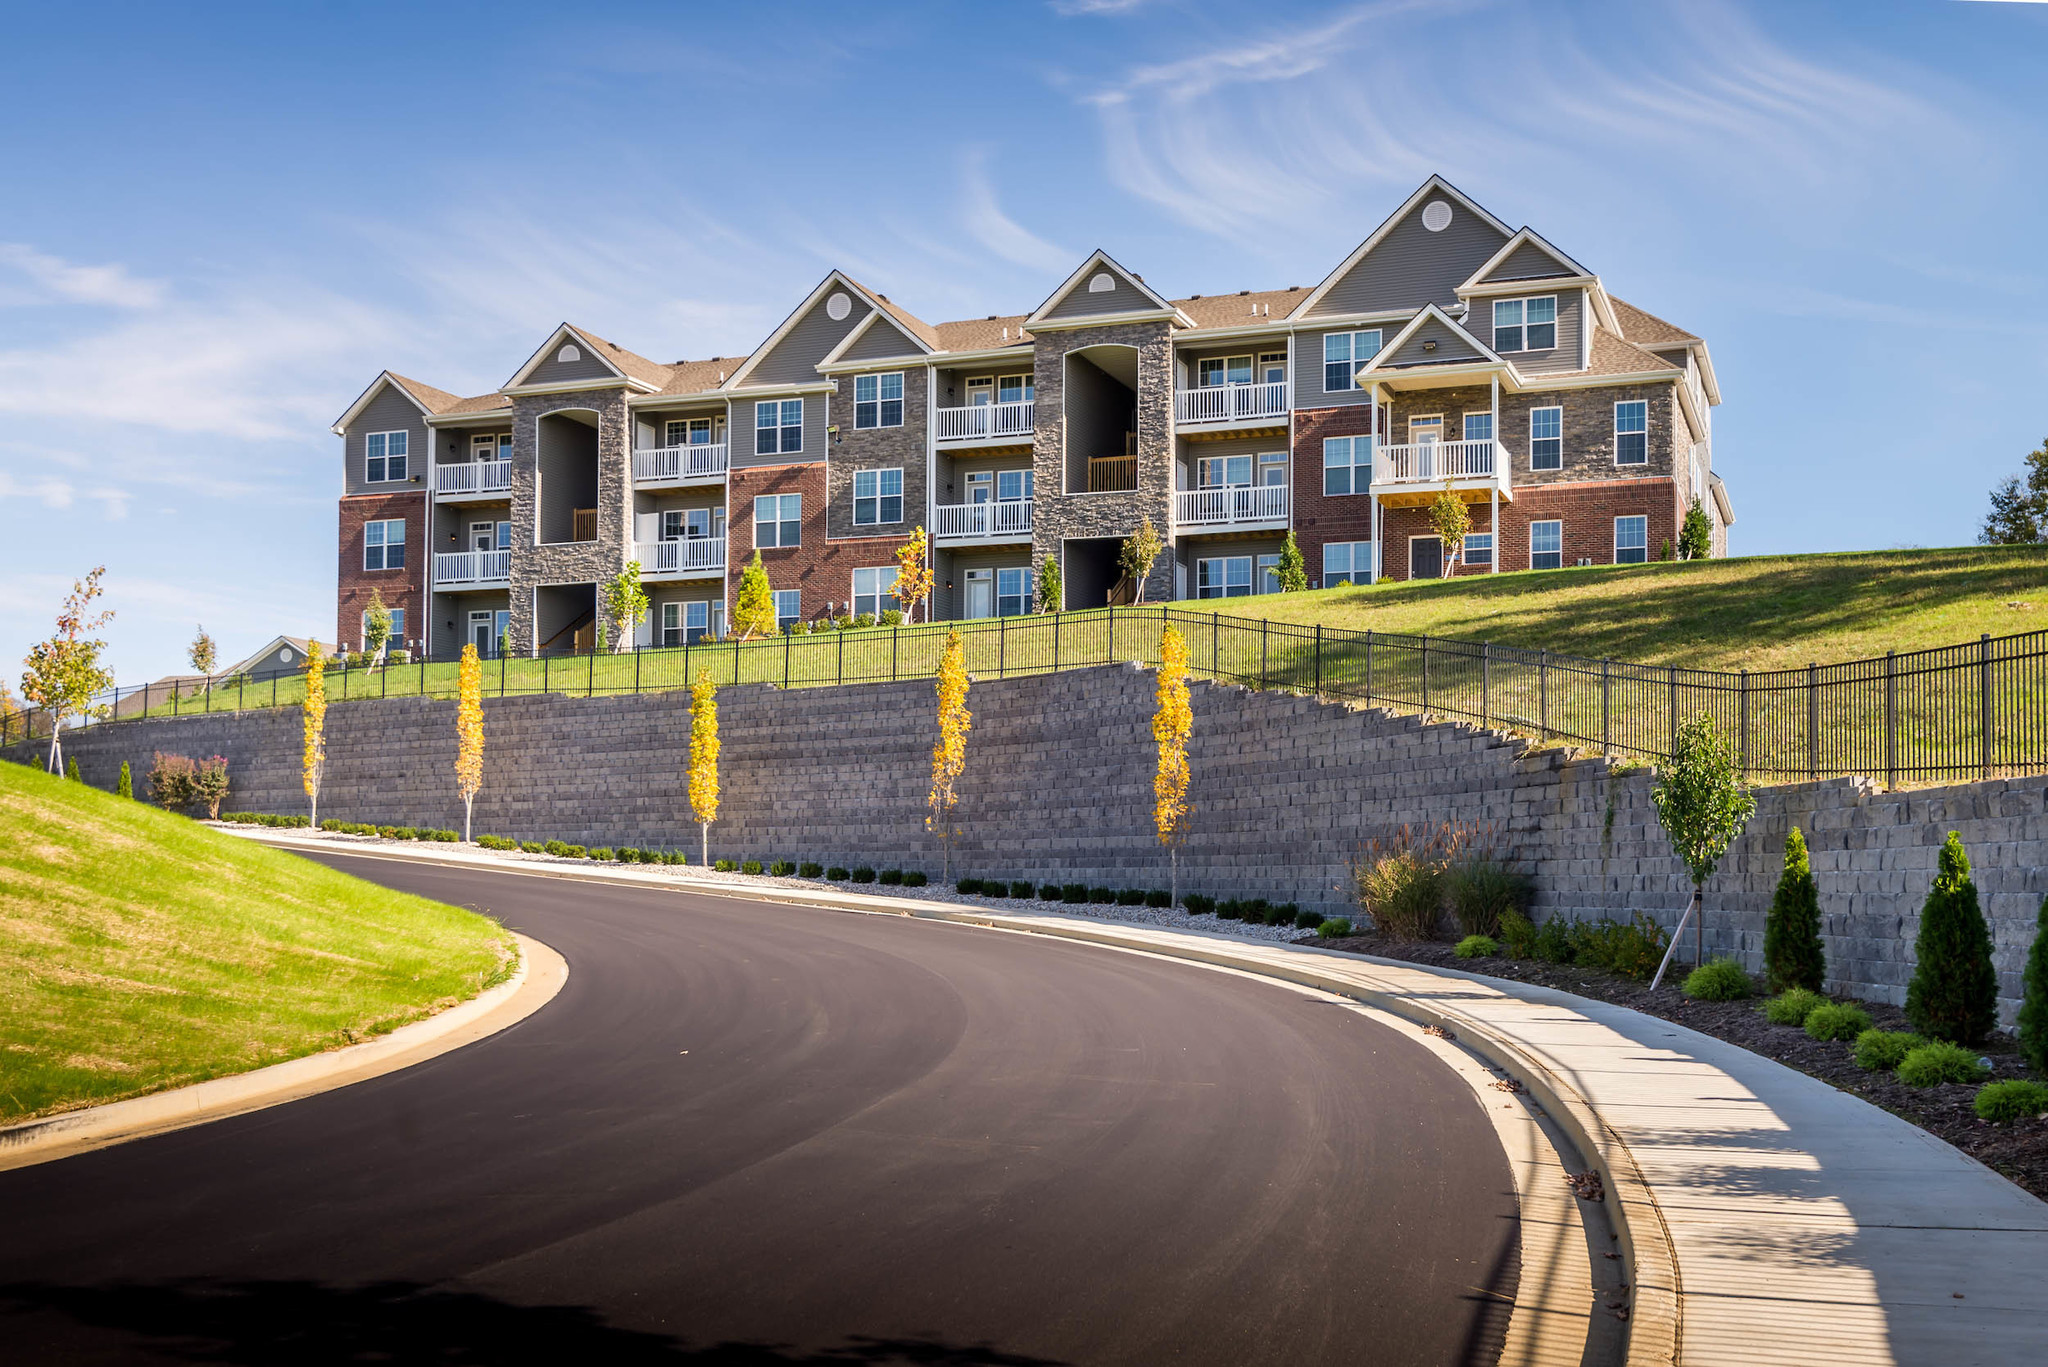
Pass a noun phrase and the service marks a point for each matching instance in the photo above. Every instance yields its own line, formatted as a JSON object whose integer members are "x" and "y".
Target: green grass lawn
{"x": 140, "y": 951}
{"x": 1760, "y": 612}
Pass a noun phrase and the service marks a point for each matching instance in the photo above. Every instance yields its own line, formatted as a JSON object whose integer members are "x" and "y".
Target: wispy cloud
{"x": 1078, "y": 7}
{"x": 109, "y": 285}
{"x": 984, "y": 220}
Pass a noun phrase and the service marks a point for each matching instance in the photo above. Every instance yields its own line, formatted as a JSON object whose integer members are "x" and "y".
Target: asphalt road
{"x": 764, "y": 1134}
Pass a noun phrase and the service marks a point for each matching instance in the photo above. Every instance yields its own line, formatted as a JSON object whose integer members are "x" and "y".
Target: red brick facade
{"x": 401, "y": 588}
{"x": 1321, "y": 518}
{"x": 821, "y": 570}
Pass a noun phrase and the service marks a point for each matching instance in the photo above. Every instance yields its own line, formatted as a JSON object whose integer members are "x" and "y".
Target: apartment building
{"x": 1448, "y": 349}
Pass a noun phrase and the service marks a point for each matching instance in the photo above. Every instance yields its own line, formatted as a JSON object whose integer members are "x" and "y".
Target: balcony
{"x": 684, "y": 559}
{"x": 472, "y": 569}
{"x": 667, "y": 466}
{"x": 985, "y": 424}
{"x": 473, "y": 479}
{"x": 1112, "y": 474}
{"x": 1004, "y": 521}
{"x": 1231, "y": 405}
{"x": 1240, "y": 507}
{"x": 1414, "y": 473}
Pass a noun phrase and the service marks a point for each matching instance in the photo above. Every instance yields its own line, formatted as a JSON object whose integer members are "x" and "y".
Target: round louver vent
{"x": 838, "y": 306}
{"x": 1436, "y": 216}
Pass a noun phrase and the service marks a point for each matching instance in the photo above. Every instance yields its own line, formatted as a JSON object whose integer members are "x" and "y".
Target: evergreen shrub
{"x": 1717, "y": 980}
{"x": 914, "y": 878}
{"x": 1334, "y": 927}
{"x": 1954, "y": 991}
{"x": 2012, "y": 1099}
{"x": 836, "y": 874}
{"x": 1940, "y": 1061}
{"x": 811, "y": 870}
{"x": 863, "y": 875}
{"x": 1197, "y": 904}
{"x": 1793, "y": 956}
{"x": 1793, "y": 1006}
{"x": 1837, "y": 1022}
{"x": 1880, "y": 1051}
{"x": 1477, "y": 947}
{"x": 2033, "y": 1020}
{"x": 893, "y": 877}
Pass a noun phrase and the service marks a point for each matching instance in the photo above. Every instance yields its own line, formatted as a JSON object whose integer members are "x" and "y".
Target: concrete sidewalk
{"x": 1767, "y": 1218}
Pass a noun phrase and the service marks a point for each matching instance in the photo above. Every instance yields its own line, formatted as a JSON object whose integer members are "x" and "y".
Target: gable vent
{"x": 1436, "y": 215}
{"x": 568, "y": 354}
{"x": 1101, "y": 283}
{"x": 838, "y": 306}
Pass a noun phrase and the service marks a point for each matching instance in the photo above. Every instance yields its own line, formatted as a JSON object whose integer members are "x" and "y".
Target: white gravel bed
{"x": 1170, "y": 917}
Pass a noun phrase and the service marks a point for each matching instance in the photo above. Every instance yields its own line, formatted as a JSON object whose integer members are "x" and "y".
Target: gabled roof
{"x": 1098, "y": 260}
{"x": 1414, "y": 325}
{"x": 1528, "y": 237}
{"x": 909, "y": 322}
{"x": 915, "y": 345}
{"x": 1613, "y": 356}
{"x": 412, "y": 389}
{"x": 701, "y": 377}
{"x": 1647, "y": 329}
{"x": 796, "y": 315}
{"x": 624, "y": 364}
{"x": 983, "y": 334}
{"x": 299, "y": 643}
{"x": 1235, "y": 310}
{"x": 1435, "y": 184}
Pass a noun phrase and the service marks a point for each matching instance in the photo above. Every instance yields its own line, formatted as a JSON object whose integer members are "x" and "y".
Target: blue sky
{"x": 222, "y": 221}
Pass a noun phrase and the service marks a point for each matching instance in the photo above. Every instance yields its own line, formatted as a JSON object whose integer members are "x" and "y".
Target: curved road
{"x": 762, "y": 1134}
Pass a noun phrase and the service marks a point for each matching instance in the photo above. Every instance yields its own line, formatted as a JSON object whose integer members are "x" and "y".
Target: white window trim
{"x": 1322, "y": 580}
{"x": 854, "y": 594}
{"x": 1465, "y": 551}
{"x": 1353, "y": 466}
{"x": 1525, "y": 300}
{"x": 1378, "y": 346}
{"x": 1251, "y": 560}
{"x": 1617, "y": 435}
{"x": 383, "y": 545}
{"x": 1465, "y": 425}
{"x": 1426, "y": 419}
{"x": 1533, "y": 411}
{"x": 778, "y": 520}
{"x": 900, "y": 401}
{"x": 1616, "y": 549}
{"x": 779, "y": 426}
{"x": 1030, "y": 594}
{"x": 878, "y": 520}
{"x": 1557, "y": 522}
{"x": 405, "y": 435}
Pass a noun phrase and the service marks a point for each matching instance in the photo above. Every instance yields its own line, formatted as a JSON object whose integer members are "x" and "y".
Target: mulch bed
{"x": 2019, "y": 1150}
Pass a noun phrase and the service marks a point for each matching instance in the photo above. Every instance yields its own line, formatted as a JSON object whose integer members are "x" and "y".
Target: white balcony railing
{"x": 984, "y": 421}
{"x": 471, "y": 567}
{"x": 1231, "y": 402}
{"x": 1009, "y": 518}
{"x": 680, "y": 557}
{"x": 474, "y": 477}
{"x": 1229, "y": 506}
{"x": 1432, "y": 462}
{"x": 667, "y": 464}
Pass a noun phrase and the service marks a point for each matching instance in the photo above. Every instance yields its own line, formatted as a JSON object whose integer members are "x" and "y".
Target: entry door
{"x": 1423, "y": 435}
{"x": 480, "y": 634}
{"x": 981, "y": 593}
{"x": 981, "y": 486}
{"x": 483, "y": 536}
{"x": 1425, "y": 557}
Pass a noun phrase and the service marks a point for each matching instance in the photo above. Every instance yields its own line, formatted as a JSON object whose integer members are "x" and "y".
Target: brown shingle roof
{"x": 1232, "y": 310}
{"x": 435, "y": 400}
{"x": 481, "y": 403}
{"x": 980, "y": 334}
{"x": 909, "y": 322}
{"x": 1646, "y": 329}
{"x": 1613, "y": 356}
{"x": 699, "y": 377}
{"x": 635, "y": 366}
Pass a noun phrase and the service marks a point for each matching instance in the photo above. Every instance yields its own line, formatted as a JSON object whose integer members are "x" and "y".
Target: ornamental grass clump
{"x": 1718, "y": 980}
{"x": 1477, "y": 947}
{"x": 1954, "y": 991}
{"x": 2010, "y": 1100}
{"x": 1400, "y": 882}
{"x": 1482, "y": 885}
{"x": 1880, "y": 1051}
{"x": 1940, "y": 1061}
{"x": 1836, "y": 1021}
{"x": 1793, "y": 956}
{"x": 1793, "y": 1007}
{"x": 1335, "y": 927}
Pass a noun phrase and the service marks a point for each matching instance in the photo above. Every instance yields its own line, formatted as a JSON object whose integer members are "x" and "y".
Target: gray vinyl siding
{"x": 1571, "y": 318}
{"x": 1413, "y": 266}
{"x": 1308, "y": 370}
{"x": 649, "y": 425}
{"x": 390, "y": 411}
{"x": 740, "y": 434}
{"x": 951, "y": 603}
{"x": 952, "y": 380}
{"x": 1528, "y": 262}
{"x": 587, "y": 366}
{"x": 953, "y": 471}
{"x": 794, "y": 359}
{"x": 454, "y": 443}
{"x": 1449, "y": 346}
{"x": 450, "y": 522}
{"x": 1193, "y": 451}
{"x": 882, "y": 342}
{"x": 1125, "y": 298}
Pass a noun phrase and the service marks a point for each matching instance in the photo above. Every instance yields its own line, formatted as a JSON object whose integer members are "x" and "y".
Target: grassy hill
{"x": 140, "y": 951}
{"x": 1760, "y": 612}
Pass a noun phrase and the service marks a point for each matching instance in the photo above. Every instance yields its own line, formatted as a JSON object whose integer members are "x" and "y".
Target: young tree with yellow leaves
{"x": 753, "y": 609}
{"x": 949, "y": 756}
{"x": 469, "y": 731}
{"x": 64, "y": 672}
{"x": 1447, "y": 516}
{"x": 913, "y": 574}
{"x": 313, "y": 713}
{"x": 704, "y": 760}
{"x": 1172, "y": 723}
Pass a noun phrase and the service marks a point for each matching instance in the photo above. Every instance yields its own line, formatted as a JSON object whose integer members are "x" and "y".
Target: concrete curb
{"x": 539, "y": 976}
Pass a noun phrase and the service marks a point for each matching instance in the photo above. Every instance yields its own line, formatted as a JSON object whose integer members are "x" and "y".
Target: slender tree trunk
{"x": 56, "y": 747}
{"x": 704, "y": 845}
{"x": 467, "y": 803}
{"x": 313, "y": 809}
{"x": 1173, "y": 877}
{"x": 1699, "y": 927}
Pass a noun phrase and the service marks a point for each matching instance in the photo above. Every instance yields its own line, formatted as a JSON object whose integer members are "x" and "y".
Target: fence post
{"x": 1368, "y": 664}
{"x": 895, "y": 636}
{"x": 1055, "y": 640}
{"x": 1485, "y": 684}
{"x": 545, "y": 662}
{"x": 1216, "y": 646}
{"x": 1672, "y": 707}
{"x": 1543, "y": 695}
{"x": 1984, "y": 705}
{"x": 1319, "y": 659}
{"x": 1742, "y": 720}
{"x": 240, "y": 684}
{"x": 1812, "y": 719}
{"x": 787, "y": 641}
{"x": 839, "y": 668}
{"x": 636, "y": 666}
{"x": 175, "y": 691}
{"x": 1425, "y": 675}
{"x": 590, "y": 675}
{"x": 1002, "y": 645}
{"x": 1891, "y": 721}
{"x": 344, "y": 686}
{"x": 1606, "y": 707}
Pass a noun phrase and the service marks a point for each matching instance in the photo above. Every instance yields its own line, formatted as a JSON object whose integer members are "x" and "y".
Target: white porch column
{"x": 1500, "y": 455}
{"x": 1372, "y": 430}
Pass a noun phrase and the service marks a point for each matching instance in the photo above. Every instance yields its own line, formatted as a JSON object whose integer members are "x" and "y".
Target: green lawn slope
{"x": 140, "y": 951}
{"x": 1759, "y": 612}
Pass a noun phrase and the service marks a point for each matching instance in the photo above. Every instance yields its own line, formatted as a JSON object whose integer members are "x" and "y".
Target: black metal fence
{"x": 1978, "y": 710}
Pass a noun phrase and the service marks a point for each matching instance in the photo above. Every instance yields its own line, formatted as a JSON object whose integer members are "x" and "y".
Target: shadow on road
{"x": 303, "y": 1324}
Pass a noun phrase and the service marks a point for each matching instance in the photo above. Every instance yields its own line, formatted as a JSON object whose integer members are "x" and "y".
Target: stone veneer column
{"x": 1057, "y": 515}
{"x": 571, "y": 562}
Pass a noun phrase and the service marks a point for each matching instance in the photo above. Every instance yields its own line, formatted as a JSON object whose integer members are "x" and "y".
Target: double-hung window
{"x": 1546, "y": 439}
{"x": 690, "y": 431}
{"x": 1546, "y": 545}
{"x": 384, "y": 457}
{"x": 1343, "y": 354}
{"x": 397, "y": 638}
{"x": 874, "y": 591}
{"x": 788, "y": 608}
{"x": 778, "y": 426}
{"x": 1479, "y": 427}
{"x": 1632, "y": 432}
{"x": 384, "y": 545}
{"x": 1014, "y": 389}
{"x": 1226, "y": 576}
{"x": 877, "y": 497}
{"x": 671, "y": 624}
{"x": 1347, "y": 465}
{"x": 1631, "y": 540}
{"x": 878, "y": 400}
{"x": 1525, "y": 324}
{"x": 1224, "y": 370}
{"x": 1346, "y": 562}
{"x": 1479, "y": 548}
{"x": 778, "y": 520}
{"x": 690, "y": 524}
{"x": 1223, "y": 472}
{"x": 1267, "y": 580}
{"x": 1015, "y": 593}
{"x": 1013, "y": 486}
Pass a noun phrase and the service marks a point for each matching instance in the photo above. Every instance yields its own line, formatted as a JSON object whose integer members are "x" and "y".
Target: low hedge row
{"x": 265, "y": 819}
{"x": 389, "y": 832}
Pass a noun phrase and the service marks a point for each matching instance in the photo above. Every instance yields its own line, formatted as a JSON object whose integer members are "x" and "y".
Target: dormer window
{"x": 384, "y": 457}
{"x": 1525, "y": 324}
